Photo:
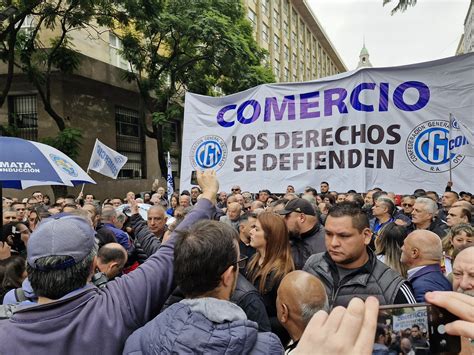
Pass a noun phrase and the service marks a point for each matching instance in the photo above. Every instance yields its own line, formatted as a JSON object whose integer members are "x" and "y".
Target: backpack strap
{"x": 20, "y": 295}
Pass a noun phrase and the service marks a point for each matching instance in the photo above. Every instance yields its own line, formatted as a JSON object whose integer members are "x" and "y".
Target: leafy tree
{"x": 202, "y": 46}
{"x": 401, "y": 6}
{"x": 25, "y": 50}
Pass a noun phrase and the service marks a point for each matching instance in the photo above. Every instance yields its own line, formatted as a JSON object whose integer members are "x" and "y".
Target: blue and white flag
{"x": 462, "y": 137}
{"x": 106, "y": 161}
{"x": 169, "y": 179}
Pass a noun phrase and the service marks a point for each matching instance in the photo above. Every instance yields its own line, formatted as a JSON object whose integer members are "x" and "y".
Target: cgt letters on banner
{"x": 385, "y": 127}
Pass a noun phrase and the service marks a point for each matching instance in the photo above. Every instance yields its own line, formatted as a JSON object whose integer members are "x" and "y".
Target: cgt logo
{"x": 428, "y": 147}
{"x": 64, "y": 165}
{"x": 208, "y": 152}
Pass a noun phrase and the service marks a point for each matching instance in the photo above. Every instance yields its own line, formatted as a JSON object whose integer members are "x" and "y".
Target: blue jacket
{"x": 98, "y": 321}
{"x": 429, "y": 278}
{"x": 120, "y": 235}
{"x": 202, "y": 326}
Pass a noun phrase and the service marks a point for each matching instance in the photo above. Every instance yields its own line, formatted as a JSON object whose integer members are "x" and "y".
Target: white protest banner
{"x": 106, "y": 161}
{"x": 385, "y": 127}
{"x": 419, "y": 317}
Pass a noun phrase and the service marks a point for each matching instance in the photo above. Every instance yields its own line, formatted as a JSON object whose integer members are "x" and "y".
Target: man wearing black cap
{"x": 306, "y": 233}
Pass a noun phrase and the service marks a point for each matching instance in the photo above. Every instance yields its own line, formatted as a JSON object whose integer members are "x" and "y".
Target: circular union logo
{"x": 64, "y": 165}
{"x": 208, "y": 152}
{"x": 427, "y": 147}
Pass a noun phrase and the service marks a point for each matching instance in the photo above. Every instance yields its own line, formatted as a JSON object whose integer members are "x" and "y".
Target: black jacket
{"x": 373, "y": 279}
{"x": 307, "y": 244}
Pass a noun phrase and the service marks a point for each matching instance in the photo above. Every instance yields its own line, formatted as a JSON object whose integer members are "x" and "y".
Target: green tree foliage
{"x": 67, "y": 141}
{"x": 202, "y": 46}
{"x": 401, "y": 6}
{"x": 24, "y": 49}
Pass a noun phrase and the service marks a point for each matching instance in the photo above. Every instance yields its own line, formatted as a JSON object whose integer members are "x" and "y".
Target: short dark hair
{"x": 377, "y": 194}
{"x": 324, "y": 182}
{"x": 360, "y": 221}
{"x": 416, "y": 326}
{"x": 107, "y": 254}
{"x": 419, "y": 193}
{"x": 452, "y": 192}
{"x": 358, "y": 199}
{"x": 55, "y": 284}
{"x": 313, "y": 191}
{"x": 202, "y": 254}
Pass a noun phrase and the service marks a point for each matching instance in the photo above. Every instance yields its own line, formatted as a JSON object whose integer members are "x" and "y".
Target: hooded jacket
{"x": 205, "y": 326}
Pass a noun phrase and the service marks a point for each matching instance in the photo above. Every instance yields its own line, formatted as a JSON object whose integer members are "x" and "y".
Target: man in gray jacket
{"x": 75, "y": 317}
{"x": 207, "y": 259}
{"x": 349, "y": 268}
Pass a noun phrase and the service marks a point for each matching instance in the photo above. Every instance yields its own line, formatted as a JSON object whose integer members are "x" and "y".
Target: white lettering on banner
{"x": 386, "y": 127}
{"x": 18, "y": 167}
{"x": 407, "y": 320}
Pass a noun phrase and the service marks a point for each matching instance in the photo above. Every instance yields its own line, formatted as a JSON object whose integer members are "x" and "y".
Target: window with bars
{"x": 23, "y": 114}
{"x": 276, "y": 17}
{"x": 131, "y": 143}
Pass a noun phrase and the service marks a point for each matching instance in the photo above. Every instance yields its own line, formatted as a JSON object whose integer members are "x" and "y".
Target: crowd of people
{"x": 209, "y": 271}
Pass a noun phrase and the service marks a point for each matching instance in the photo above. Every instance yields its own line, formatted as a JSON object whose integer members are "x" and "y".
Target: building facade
{"x": 298, "y": 47}
{"x": 98, "y": 101}
{"x": 466, "y": 43}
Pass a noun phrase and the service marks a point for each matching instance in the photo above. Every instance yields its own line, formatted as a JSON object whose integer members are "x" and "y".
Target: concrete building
{"x": 466, "y": 43}
{"x": 299, "y": 49}
{"x": 98, "y": 101}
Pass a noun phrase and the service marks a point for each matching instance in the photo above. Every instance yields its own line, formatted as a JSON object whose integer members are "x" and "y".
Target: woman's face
{"x": 32, "y": 220}
{"x": 460, "y": 240}
{"x": 174, "y": 202}
{"x": 257, "y": 237}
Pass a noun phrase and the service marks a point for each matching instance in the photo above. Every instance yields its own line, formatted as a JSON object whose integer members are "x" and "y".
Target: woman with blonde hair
{"x": 388, "y": 247}
{"x": 271, "y": 262}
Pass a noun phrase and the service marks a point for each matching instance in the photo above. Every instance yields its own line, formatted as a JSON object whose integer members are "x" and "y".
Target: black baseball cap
{"x": 298, "y": 205}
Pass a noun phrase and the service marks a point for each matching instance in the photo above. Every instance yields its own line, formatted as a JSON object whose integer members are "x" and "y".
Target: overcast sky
{"x": 430, "y": 30}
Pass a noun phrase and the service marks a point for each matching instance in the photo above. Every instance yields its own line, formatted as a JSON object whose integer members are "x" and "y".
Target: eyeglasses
{"x": 407, "y": 205}
{"x": 242, "y": 262}
{"x": 235, "y": 189}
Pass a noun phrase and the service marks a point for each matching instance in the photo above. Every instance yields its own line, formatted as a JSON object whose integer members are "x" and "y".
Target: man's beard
{"x": 465, "y": 292}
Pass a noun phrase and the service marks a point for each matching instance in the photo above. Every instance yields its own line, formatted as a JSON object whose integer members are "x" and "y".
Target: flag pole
{"x": 449, "y": 152}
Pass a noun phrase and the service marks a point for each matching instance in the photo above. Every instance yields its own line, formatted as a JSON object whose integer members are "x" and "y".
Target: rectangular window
{"x": 265, "y": 32}
{"x": 276, "y": 66}
{"x": 286, "y": 6}
{"x": 286, "y": 29}
{"x": 276, "y": 42}
{"x": 294, "y": 19}
{"x": 266, "y": 7}
{"x": 23, "y": 114}
{"x": 131, "y": 143}
{"x": 293, "y": 40}
{"x": 276, "y": 18}
{"x": 253, "y": 18}
{"x": 116, "y": 58}
{"x": 287, "y": 54}
{"x": 287, "y": 74}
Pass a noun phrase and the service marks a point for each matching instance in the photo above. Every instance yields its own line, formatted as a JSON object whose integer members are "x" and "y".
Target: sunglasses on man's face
{"x": 407, "y": 205}
{"x": 235, "y": 189}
